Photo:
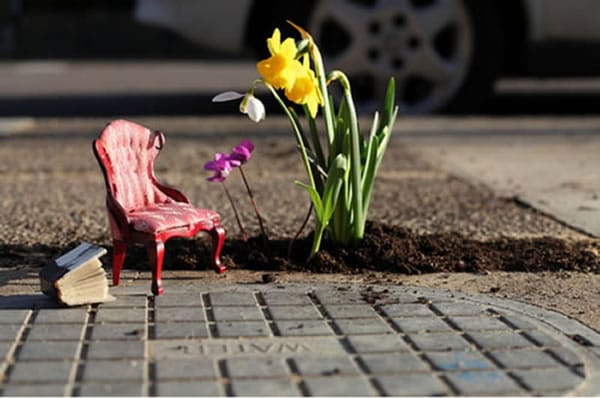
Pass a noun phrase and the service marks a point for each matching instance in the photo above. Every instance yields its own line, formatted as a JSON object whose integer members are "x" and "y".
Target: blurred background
{"x": 93, "y": 57}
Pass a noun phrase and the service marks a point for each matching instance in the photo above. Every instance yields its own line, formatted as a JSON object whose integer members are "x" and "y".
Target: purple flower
{"x": 221, "y": 166}
{"x": 241, "y": 153}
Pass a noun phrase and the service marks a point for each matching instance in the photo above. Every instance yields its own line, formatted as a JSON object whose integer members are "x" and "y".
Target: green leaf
{"x": 378, "y": 140}
{"x": 369, "y": 168}
{"x": 369, "y": 153}
{"x": 333, "y": 184}
{"x": 339, "y": 224}
{"x": 319, "y": 171}
{"x": 314, "y": 197}
{"x": 356, "y": 143}
{"x": 375, "y": 125}
{"x": 316, "y": 142}
{"x": 390, "y": 96}
{"x": 341, "y": 130}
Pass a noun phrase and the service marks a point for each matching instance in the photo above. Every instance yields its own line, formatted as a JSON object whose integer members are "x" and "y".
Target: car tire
{"x": 372, "y": 40}
{"x": 487, "y": 61}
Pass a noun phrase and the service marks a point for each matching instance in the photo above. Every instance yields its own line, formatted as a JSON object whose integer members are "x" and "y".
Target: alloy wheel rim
{"x": 427, "y": 45}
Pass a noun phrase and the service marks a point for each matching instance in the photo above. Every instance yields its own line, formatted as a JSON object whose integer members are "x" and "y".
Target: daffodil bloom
{"x": 281, "y": 69}
{"x": 250, "y": 105}
{"x": 305, "y": 90}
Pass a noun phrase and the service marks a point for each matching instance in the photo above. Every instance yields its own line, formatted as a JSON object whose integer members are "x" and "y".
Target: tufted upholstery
{"x": 131, "y": 150}
{"x": 160, "y": 217}
{"x": 140, "y": 209}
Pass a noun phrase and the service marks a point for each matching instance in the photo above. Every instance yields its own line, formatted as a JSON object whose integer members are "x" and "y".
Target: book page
{"x": 91, "y": 267}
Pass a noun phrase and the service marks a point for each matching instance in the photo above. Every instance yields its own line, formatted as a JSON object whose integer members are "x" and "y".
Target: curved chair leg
{"x": 119, "y": 250}
{"x": 218, "y": 238}
{"x": 156, "y": 254}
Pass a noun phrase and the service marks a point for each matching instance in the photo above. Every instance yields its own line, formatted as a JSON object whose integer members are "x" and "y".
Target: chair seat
{"x": 164, "y": 216}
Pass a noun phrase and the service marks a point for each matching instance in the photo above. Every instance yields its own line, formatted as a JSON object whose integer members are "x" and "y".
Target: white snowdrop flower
{"x": 227, "y": 96}
{"x": 250, "y": 105}
{"x": 253, "y": 107}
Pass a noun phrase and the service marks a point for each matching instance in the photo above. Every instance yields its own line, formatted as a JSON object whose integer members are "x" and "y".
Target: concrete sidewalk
{"x": 552, "y": 167}
{"x": 294, "y": 339}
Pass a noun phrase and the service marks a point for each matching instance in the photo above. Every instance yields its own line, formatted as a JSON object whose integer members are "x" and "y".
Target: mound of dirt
{"x": 385, "y": 248}
{"x": 391, "y": 249}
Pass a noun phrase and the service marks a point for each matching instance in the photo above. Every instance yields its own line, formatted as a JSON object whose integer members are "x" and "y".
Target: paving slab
{"x": 551, "y": 168}
{"x": 424, "y": 342}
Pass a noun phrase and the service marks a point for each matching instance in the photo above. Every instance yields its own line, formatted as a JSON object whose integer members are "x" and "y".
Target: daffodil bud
{"x": 302, "y": 48}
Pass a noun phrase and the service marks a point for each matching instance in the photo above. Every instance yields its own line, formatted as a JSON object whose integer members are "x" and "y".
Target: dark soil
{"x": 395, "y": 249}
{"x": 384, "y": 248}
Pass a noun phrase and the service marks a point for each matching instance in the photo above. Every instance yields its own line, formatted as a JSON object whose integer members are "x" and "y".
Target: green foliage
{"x": 341, "y": 166}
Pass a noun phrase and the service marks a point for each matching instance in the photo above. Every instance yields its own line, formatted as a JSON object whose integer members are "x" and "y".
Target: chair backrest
{"x": 126, "y": 153}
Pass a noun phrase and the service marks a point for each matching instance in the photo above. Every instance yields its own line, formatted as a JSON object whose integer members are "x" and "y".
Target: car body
{"x": 446, "y": 55}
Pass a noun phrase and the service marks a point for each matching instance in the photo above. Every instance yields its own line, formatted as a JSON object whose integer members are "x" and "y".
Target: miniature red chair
{"x": 140, "y": 209}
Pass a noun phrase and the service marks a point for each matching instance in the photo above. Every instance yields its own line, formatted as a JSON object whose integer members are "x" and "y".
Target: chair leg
{"x": 156, "y": 254}
{"x": 119, "y": 250}
{"x": 218, "y": 238}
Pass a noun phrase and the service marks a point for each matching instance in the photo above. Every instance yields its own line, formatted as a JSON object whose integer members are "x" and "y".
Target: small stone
{"x": 579, "y": 339}
{"x": 331, "y": 372}
{"x": 268, "y": 278}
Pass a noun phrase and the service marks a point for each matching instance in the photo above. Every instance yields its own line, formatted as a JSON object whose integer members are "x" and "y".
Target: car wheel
{"x": 444, "y": 54}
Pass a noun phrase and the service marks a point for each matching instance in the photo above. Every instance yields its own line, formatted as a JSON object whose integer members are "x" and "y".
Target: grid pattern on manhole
{"x": 411, "y": 344}
{"x": 281, "y": 342}
{"x": 90, "y": 350}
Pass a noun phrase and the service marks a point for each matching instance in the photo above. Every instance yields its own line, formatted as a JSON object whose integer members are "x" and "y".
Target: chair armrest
{"x": 172, "y": 193}
{"x": 169, "y": 191}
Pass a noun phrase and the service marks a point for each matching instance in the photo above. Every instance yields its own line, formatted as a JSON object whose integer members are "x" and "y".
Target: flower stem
{"x": 237, "y": 216}
{"x": 358, "y": 229}
{"x": 295, "y": 238}
{"x": 260, "y": 222}
{"x": 297, "y": 132}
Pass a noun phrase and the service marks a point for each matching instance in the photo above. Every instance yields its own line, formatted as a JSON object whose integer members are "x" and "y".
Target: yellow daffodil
{"x": 281, "y": 68}
{"x": 305, "y": 90}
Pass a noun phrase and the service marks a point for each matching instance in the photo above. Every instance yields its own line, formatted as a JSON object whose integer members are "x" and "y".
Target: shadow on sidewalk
{"x": 36, "y": 255}
{"x": 27, "y": 302}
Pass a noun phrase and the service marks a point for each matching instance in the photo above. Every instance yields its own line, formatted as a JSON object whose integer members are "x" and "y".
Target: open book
{"x": 77, "y": 277}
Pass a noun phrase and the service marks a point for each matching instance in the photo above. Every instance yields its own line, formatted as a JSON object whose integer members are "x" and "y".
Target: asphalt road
{"x": 56, "y": 88}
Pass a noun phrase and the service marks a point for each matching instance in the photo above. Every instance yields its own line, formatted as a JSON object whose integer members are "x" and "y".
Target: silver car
{"x": 445, "y": 54}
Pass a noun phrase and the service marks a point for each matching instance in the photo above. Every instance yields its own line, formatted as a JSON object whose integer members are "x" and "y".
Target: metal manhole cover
{"x": 298, "y": 340}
